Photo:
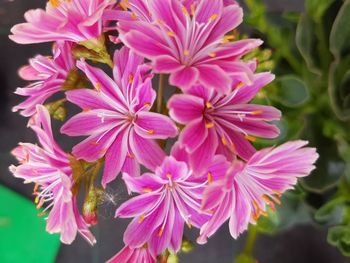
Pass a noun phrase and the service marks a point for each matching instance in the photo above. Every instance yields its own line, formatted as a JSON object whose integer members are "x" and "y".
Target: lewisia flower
{"x": 190, "y": 44}
{"x": 49, "y": 74}
{"x": 223, "y": 123}
{"x": 49, "y": 168}
{"x": 245, "y": 191}
{"x": 168, "y": 199}
{"x": 117, "y": 119}
{"x": 69, "y": 20}
{"x": 133, "y": 255}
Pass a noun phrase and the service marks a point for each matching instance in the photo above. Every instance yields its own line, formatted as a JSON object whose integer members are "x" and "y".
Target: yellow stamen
{"x": 212, "y": 54}
{"x": 131, "y": 78}
{"x": 240, "y": 85}
{"x": 142, "y": 217}
{"x": 211, "y": 211}
{"x": 250, "y": 138}
{"x": 36, "y": 200}
{"x": 232, "y": 147}
{"x": 86, "y": 110}
{"x": 148, "y": 105}
{"x": 186, "y": 52}
{"x": 184, "y": 10}
{"x": 55, "y": 3}
{"x": 171, "y": 34}
{"x": 133, "y": 16}
{"x": 150, "y": 131}
{"x": 209, "y": 125}
{"x": 189, "y": 225}
{"x": 147, "y": 190}
{"x": 224, "y": 141}
{"x": 104, "y": 151}
{"x": 209, "y": 105}
{"x": 41, "y": 213}
{"x": 193, "y": 9}
{"x": 213, "y": 17}
{"x": 160, "y": 233}
{"x": 227, "y": 39}
{"x": 124, "y": 5}
{"x": 210, "y": 177}
{"x": 257, "y": 112}
{"x": 98, "y": 86}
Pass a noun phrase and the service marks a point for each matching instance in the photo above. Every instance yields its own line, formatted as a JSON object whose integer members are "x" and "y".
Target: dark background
{"x": 302, "y": 244}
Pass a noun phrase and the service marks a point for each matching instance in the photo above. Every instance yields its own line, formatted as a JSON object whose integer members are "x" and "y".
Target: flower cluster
{"x": 211, "y": 174}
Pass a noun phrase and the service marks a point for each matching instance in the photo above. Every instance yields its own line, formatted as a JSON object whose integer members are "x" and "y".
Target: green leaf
{"x": 292, "y": 91}
{"x": 339, "y": 236}
{"x": 330, "y": 167}
{"x": 325, "y": 213}
{"x": 339, "y": 88}
{"x": 306, "y": 42}
{"x": 317, "y": 8}
{"x": 340, "y": 33}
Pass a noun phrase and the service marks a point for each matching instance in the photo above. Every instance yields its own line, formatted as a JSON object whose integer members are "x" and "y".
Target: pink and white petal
{"x": 247, "y": 93}
{"x": 161, "y": 238}
{"x": 241, "y": 146}
{"x": 184, "y": 78}
{"x": 184, "y": 108}
{"x": 177, "y": 234}
{"x": 146, "y": 151}
{"x": 203, "y": 155}
{"x": 167, "y": 64}
{"x": 138, "y": 205}
{"x": 213, "y": 195}
{"x": 179, "y": 153}
{"x": 148, "y": 47}
{"x": 122, "y": 256}
{"x": 206, "y": 10}
{"x": 88, "y": 99}
{"x": 87, "y": 123}
{"x": 104, "y": 83}
{"x": 152, "y": 125}
{"x": 221, "y": 214}
{"x": 142, "y": 184}
{"x": 115, "y": 158}
{"x": 231, "y": 17}
{"x": 140, "y": 230}
{"x": 193, "y": 135}
{"x": 241, "y": 213}
{"x": 131, "y": 166}
{"x": 212, "y": 76}
{"x": 94, "y": 147}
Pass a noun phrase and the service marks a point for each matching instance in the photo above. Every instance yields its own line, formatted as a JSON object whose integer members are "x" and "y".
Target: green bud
{"x": 57, "y": 109}
{"x": 186, "y": 246}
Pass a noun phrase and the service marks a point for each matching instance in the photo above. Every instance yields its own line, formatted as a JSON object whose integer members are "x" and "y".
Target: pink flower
{"x": 244, "y": 192}
{"x": 49, "y": 75}
{"x": 133, "y": 255}
{"x": 223, "y": 124}
{"x": 168, "y": 198}
{"x": 117, "y": 119}
{"x": 49, "y": 168}
{"x": 74, "y": 20}
{"x": 189, "y": 44}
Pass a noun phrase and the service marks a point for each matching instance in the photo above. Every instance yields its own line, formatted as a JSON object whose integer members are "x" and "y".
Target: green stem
{"x": 160, "y": 95}
{"x": 250, "y": 242}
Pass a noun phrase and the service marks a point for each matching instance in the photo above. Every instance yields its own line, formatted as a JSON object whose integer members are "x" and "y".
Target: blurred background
{"x": 307, "y": 47}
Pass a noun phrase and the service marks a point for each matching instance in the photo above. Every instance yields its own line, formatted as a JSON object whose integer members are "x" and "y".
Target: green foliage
{"x": 311, "y": 60}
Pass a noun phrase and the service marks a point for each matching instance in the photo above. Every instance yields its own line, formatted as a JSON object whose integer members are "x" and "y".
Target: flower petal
{"x": 152, "y": 125}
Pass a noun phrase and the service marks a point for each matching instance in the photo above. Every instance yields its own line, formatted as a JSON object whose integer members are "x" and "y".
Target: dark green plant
{"x": 311, "y": 59}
